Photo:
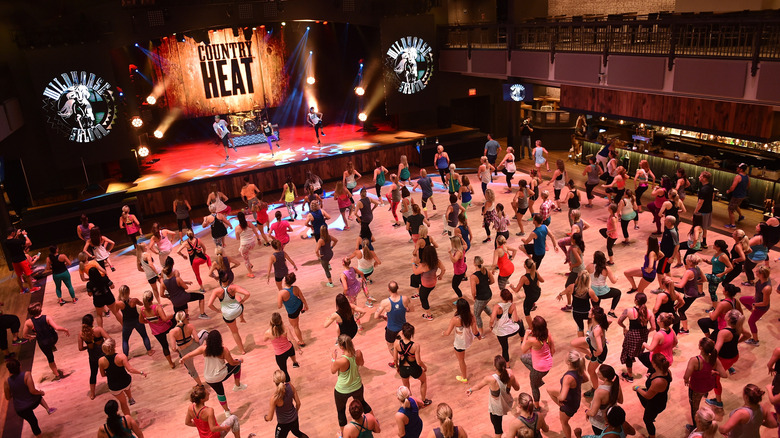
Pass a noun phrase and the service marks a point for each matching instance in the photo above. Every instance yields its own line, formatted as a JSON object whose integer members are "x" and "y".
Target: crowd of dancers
{"x": 493, "y": 303}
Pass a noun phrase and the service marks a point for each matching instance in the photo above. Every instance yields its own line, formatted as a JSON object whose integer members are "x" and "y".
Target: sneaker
{"x": 428, "y": 316}
{"x": 131, "y": 402}
{"x": 410, "y": 240}
{"x": 427, "y": 402}
{"x": 203, "y": 316}
{"x": 747, "y": 283}
{"x": 461, "y": 379}
{"x": 202, "y": 289}
{"x": 75, "y": 300}
{"x": 684, "y": 331}
{"x": 487, "y": 240}
{"x": 689, "y": 428}
{"x": 589, "y": 393}
{"x": 741, "y": 218}
{"x": 520, "y": 234}
{"x": 632, "y": 290}
{"x": 35, "y": 289}
{"x": 656, "y": 291}
{"x": 729, "y": 226}
{"x": 704, "y": 246}
{"x": 434, "y": 207}
{"x": 107, "y": 313}
{"x": 19, "y": 341}
{"x": 455, "y": 303}
{"x": 24, "y": 291}
{"x": 444, "y": 233}
{"x": 611, "y": 314}
{"x": 329, "y": 284}
{"x": 636, "y": 227}
{"x": 51, "y": 411}
{"x": 296, "y": 365}
{"x": 566, "y": 308}
{"x": 751, "y": 341}
{"x": 322, "y": 134}
{"x": 415, "y": 296}
{"x": 732, "y": 370}
{"x": 369, "y": 304}
{"x": 711, "y": 309}
{"x": 61, "y": 302}
{"x": 714, "y": 402}
{"x": 240, "y": 387}
{"x": 627, "y": 377}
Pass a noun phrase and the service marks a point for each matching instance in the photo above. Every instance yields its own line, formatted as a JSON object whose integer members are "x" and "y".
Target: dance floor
{"x": 162, "y": 397}
{"x": 182, "y": 163}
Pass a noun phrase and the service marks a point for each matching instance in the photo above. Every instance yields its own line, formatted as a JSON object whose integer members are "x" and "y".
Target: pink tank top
{"x": 204, "y": 430}
{"x": 611, "y": 229}
{"x": 459, "y": 267}
{"x": 281, "y": 345}
{"x": 666, "y": 348}
{"x": 541, "y": 358}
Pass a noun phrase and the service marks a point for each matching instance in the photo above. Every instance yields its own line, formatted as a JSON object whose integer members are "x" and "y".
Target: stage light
{"x": 324, "y": 22}
{"x": 311, "y": 52}
{"x": 307, "y": 27}
{"x": 151, "y": 100}
{"x": 137, "y": 122}
{"x": 136, "y": 44}
{"x": 254, "y": 28}
{"x": 143, "y": 151}
{"x": 158, "y": 134}
{"x": 284, "y": 24}
{"x": 310, "y": 80}
{"x": 360, "y": 91}
{"x": 362, "y": 117}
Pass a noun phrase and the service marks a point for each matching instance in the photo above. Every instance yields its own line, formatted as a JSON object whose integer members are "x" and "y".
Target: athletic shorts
{"x": 734, "y": 203}
{"x": 390, "y": 336}
{"x": 152, "y": 280}
{"x": 295, "y": 314}
{"x": 414, "y": 370}
{"x": 664, "y": 265}
{"x": 23, "y": 268}
{"x": 706, "y": 220}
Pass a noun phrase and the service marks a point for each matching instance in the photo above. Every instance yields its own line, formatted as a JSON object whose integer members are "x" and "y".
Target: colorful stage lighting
{"x": 143, "y": 151}
{"x": 362, "y": 117}
{"x": 158, "y": 134}
{"x": 360, "y": 91}
{"x": 136, "y": 122}
{"x": 151, "y": 100}
{"x": 310, "y": 80}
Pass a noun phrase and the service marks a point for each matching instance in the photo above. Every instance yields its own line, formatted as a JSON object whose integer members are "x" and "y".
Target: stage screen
{"x": 226, "y": 75}
{"x": 409, "y": 63}
{"x": 517, "y": 92}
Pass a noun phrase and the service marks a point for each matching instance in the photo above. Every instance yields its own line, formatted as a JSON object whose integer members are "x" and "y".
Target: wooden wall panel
{"x": 732, "y": 118}
{"x": 271, "y": 179}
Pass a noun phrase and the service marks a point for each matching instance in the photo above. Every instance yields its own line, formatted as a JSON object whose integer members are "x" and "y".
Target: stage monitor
{"x": 223, "y": 75}
{"x": 517, "y": 92}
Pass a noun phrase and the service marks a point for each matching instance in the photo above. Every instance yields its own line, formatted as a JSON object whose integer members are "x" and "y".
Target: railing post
{"x": 757, "y": 32}
{"x": 607, "y": 41}
{"x": 510, "y": 40}
{"x": 553, "y": 36}
{"x": 673, "y": 36}
{"x": 468, "y": 42}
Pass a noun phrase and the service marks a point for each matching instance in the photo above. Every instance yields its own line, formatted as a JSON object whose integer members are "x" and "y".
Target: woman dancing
{"x": 600, "y": 272}
{"x": 291, "y": 297}
{"x": 98, "y": 287}
{"x": 280, "y": 230}
{"x": 196, "y": 252}
{"x": 285, "y": 404}
{"x": 700, "y": 376}
{"x": 504, "y": 322}
{"x": 58, "y": 265}
{"x": 160, "y": 242}
{"x": 499, "y": 399}
{"x": 222, "y": 264}
{"x": 130, "y": 320}
{"x": 430, "y": 269}
{"x": 581, "y": 295}
{"x": 480, "y": 281}
{"x": 159, "y": 322}
{"x": 635, "y": 335}
{"x": 458, "y": 259}
{"x": 91, "y": 339}
{"x": 218, "y": 200}
{"x": 219, "y": 366}
{"x": 231, "y": 305}
{"x": 647, "y": 273}
{"x": 324, "y": 252}
{"x": 344, "y": 316}
{"x": 721, "y": 266}
{"x": 289, "y": 194}
{"x": 655, "y": 394}
{"x": 283, "y": 348}
{"x": 183, "y": 342}
{"x": 277, "y": 264}
{"x": 129, "y": 223}
{"x": 408, "y": 361}
{"x": 539, "y": 360}
{"x": 245, "y": 232}
{"x": 176, "y": 289}
{"x": 345, "y": 363}
{"x": 203, "y": 419}
{"x": 594, "y": 344}
{"x": 531, "y": 289}
{"x": 568, "y": 398}
{"x": 116, "y": 368}
{"x": 99, "y": 246}
{"x": 502, "y": 261}
{"x": 145, "y": 263}
{"x": 118, "y": 426}
{"x": 606, "y": 396}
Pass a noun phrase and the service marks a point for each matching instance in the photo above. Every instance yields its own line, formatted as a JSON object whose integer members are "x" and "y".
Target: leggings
{"x": 694, "y": 399}
{"x": 341, "y": 403}
{"x": 502, "y": 281}
{"x": 639, "y": 192}
{"x": 63, "y": 277}
{"x": 589, "y": 190}
{"x": 127, "y": 329}
{"x": 394, "y": 207}
{"x": 653, "y": 209}
{"x": 755, "y": 312}
{"x": 326, "y": 267}
{"x": 196, "y": 262}
{"x": 484, "y": 187}
{"x": 613, "y": 293}
{"x": 190, "y": 363}
{"x": 504, "y": 342}
{"x": 624, "y": 226}
{"x": 734, "y": 273}
{"x": 509, "y": 176}
{"x": 28, "y": 415}
{"x": 727, "y": 363}
{"x": 48, "y": 351}
{"x": 424, "y": 293}
{"x": 93, "y": 366}
{"x": 686, "y": 306}
{"x": 8, "y": 322}
{"x": 456, "y": 280}
{"x": 281, "y": 361}
{"x": 193, "y": 296}
{"x": 162, "y": 338}
{"x": 443, "y": 174}
{"x": 133, "y": 238}
{"x": 530, "y": 301}
{"x": 563, "y": 243}
{"x": 651, "y": 412}
{"x": 706, "y": 324}
{"x": 535, "y": 376}
{"x": 495, "y": 420}
{"x": 291, "y": 209}
{"x": 712, "y": 284}
{"x": 580, "y": 318}
{"x": 610, "y": 241}
{"x": 283, "y": 429}
{"x": 479, "y": 307}
{"x": 749, "y": 265}
{"x": 486, "y": 225}
{"x": 244, "y": 251}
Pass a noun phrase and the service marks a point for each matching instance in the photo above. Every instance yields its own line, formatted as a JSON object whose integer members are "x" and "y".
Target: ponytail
{"x": 576, "y": 362}
{"x": 614, "y": 383}
{"x": 500, "y": 364}
{"x": 180, "y": 317}
{"x": 525, "y": 402}
{"x": 641, "y": 301}
{"x": 87, "y": 335}
{"x": 480, "y": 264}
{"x": 444, "y": 414}
{"x": 707, "y": 347}
{"x": 706, "y": 418}
{"x": 281, "y": 385}
{"x": 403, "y": 395}
{"x": 114, "y": 420}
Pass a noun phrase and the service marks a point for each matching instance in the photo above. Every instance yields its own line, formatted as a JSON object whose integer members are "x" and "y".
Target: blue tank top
{"x": 539, "y": 155}
{"x": 293, "y": 303}
{"x": 464, "y": 232}
{"x": 465, "y": 196}
{"x": 415, "y": 425}
{"x": 541, "y": 236}
{"x": 396, "y": 316}
{"x": 741, "y": 190}
{"x": 441, "y": 162}
{"x": 319, "y": 220}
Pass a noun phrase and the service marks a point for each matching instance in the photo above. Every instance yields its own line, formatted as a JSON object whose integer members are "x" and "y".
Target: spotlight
{"x": 311, "y": 52}
{"x": 284, "y": 24}
{"x": 361, "y": 65}
{"x": 360, "y": 91}
{"x": 325, "y": 22}
{"x": 143, "y": 151}
{"x": 307, "y": 27}
{"x": 151, "y": 100}
{"x": 136, "y": 44}
{"x": 362, "y": 117}
{"x": 310, "y": 80}
{"x": 254, "y": 28}
{"x": 158, "y": 134}
{"x": 136, "y": 122}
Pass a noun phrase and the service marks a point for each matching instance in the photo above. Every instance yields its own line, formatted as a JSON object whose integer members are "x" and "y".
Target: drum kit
{"x": 247, "y": 122}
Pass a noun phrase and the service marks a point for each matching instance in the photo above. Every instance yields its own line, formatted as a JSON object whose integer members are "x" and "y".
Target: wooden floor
{"x": 162, "y": 398}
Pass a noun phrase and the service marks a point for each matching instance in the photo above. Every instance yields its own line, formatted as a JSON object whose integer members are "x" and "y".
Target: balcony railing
{"x": 745, "y": 35}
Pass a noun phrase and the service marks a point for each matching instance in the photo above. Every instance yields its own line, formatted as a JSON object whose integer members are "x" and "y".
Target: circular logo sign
{"x": 80, "y": 106}
{"x": 517, "y": 92}
{"x": 410, "y": 59}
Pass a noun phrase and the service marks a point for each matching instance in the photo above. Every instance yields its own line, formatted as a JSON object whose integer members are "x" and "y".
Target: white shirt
{"x": 314, "y": 118}
{"x": 221, "y": 128}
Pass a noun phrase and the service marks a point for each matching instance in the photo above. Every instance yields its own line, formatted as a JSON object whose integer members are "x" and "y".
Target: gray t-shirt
{"x": 426, "y": 185}
{"x": 492, "y": 147}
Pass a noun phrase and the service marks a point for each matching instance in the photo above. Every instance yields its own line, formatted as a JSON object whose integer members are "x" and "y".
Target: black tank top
{"x": 483, "y": 287}
{"x": 636, "y": 324}
{"x": 348, "y": 326}
{"x": 574, "y": 201}
{"x": 668, "y": 306}
{"x": 129, "y": 315}
{"x": 57, "y": 266}
{"x": 366, "y": 215}
{"x": 532, "y": 288}
{"x": 729, "y": 350}
{"x": 116, "y": 376}
{"x": 580, "y": 305}
{"x": 218, "y": 228}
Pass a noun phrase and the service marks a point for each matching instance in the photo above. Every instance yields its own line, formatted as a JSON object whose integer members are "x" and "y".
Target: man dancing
{"x": 315, "y": 119}
{"x": 221, "y": 128}
{"x": 268, "y": 131}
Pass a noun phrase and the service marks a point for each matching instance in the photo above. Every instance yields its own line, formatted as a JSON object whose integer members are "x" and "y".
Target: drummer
{"x": 270, "y": 135}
